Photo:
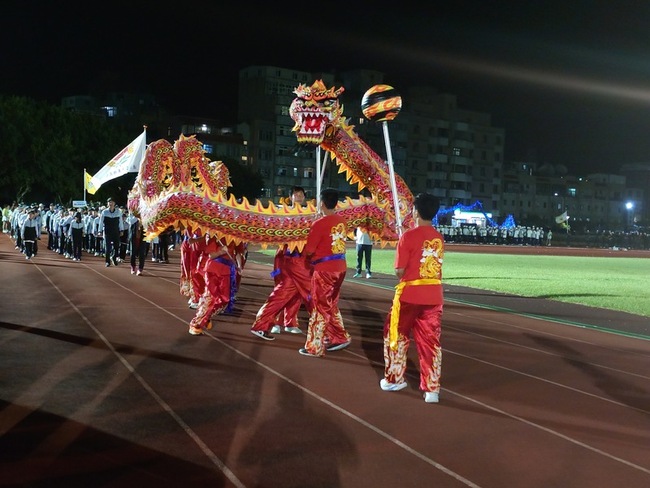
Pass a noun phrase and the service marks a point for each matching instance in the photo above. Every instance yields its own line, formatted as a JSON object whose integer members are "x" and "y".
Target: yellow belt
{"x": 394, "y": 315}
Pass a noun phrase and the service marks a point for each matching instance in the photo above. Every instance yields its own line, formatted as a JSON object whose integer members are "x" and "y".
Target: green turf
{"x": 613, "y": 283}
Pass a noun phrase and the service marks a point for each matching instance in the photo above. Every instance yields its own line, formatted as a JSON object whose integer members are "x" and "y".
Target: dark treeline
{"x": 45, "y": 148}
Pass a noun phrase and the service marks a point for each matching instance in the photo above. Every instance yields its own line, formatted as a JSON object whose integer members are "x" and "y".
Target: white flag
{"x": 562, "y": 218}
{"x": 128, "y": 160}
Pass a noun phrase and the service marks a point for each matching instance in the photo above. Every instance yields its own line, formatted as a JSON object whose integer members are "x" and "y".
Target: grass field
{"x": 613, "y": 283}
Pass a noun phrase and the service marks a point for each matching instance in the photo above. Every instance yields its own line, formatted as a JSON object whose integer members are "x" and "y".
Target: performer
{"x": 417, "y": 304}
{"x": 290, "y": 295}
{"x": 325, "y": 251}
{"x": 192, "y": 264}
{"x": 186, "y": 266}
{"x": 220, "y": 271}
{"x": 292, "y": 287}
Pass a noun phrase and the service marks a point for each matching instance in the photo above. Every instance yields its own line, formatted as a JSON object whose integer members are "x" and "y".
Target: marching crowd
{"x": 211, "y": 271}
{"x": 107, "y": 231}
{"x": 515, "y": 235}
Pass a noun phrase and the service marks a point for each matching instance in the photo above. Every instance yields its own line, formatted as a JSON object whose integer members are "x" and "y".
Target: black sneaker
{"x": 263, "y": 334}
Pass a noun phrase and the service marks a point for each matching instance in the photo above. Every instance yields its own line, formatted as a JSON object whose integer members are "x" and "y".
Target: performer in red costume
{"x": 325, "y": 252}
{"x": 197, "y": 258}
{"x": 292, "y": 281}
{"x": 192, "y": 282}
{"x": 417, "y": 305}
{"x": 220, "y": 271}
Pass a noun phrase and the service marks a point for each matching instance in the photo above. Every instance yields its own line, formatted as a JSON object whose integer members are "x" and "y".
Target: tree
{"x": 45, "y": 148}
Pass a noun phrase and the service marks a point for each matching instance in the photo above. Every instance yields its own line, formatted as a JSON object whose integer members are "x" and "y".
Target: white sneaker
{"x": 293, "y": 330}
{"x": 431, "y": 396}
{"x": 368, "y": 276}
{"x": 193, "y": 305}
{"x": 387, "y": 386}
{"x": 276, "y": 329}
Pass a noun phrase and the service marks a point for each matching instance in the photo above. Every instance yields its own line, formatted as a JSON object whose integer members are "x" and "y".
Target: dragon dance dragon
{"x": 178, "y": 186}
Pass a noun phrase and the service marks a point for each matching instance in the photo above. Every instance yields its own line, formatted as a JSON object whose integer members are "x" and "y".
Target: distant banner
{"x": 128, "y": 160}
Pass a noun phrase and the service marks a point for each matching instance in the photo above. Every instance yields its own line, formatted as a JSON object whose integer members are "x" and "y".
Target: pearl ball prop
{"x": 381, "y": 103}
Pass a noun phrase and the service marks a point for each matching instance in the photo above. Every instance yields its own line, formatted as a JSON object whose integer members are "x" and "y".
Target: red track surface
{"x": 101, "y": 385}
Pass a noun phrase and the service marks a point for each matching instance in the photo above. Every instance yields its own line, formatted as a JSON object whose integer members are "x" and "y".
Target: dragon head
{"x": 314, "y": 108}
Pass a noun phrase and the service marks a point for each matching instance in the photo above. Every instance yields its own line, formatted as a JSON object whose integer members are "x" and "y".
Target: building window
{"x": 110, "y": 111}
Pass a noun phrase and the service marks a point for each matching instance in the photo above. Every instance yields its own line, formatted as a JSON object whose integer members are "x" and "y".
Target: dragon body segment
{"x": 179, "y": 186}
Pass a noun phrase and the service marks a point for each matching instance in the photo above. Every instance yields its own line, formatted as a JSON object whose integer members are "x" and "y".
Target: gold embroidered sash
{"x": 394, "y": 315}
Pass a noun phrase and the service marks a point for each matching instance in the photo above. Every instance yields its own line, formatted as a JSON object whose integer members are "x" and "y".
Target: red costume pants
{"x": 423, "y": 321}
{"x": 325, "y": 319}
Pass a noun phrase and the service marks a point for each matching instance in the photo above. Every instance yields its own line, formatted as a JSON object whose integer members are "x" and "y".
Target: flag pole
{"x": 322, "y": 171}
{"x": 85, "y": 184}
{"x": 318, "y": 179}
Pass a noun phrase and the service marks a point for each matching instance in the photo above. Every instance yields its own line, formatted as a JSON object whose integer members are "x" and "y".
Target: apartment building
{"x": 435, "y": 145}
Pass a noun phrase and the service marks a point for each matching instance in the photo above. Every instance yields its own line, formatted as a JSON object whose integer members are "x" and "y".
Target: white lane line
{"x": 396, "y": 441}
{"x": 164, "y": 405}
{"x": 198, "y": 440}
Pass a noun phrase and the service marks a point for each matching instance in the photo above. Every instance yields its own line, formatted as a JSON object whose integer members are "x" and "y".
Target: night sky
{"x": 569, "y": 81}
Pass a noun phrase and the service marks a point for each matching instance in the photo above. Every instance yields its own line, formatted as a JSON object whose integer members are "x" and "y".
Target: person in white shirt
{"x": 364, "y": 251}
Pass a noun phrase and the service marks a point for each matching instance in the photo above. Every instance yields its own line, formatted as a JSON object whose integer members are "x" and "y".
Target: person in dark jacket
{"x": 29, "y": 233}
{"x": 111, "y": 225}
{"x": 138, "y": 246}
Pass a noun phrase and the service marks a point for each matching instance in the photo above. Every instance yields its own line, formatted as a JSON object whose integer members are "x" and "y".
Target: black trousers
{"x": 364, "y": 251}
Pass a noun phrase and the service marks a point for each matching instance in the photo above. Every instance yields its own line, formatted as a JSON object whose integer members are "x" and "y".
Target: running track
{"x": 102, "y": 386}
